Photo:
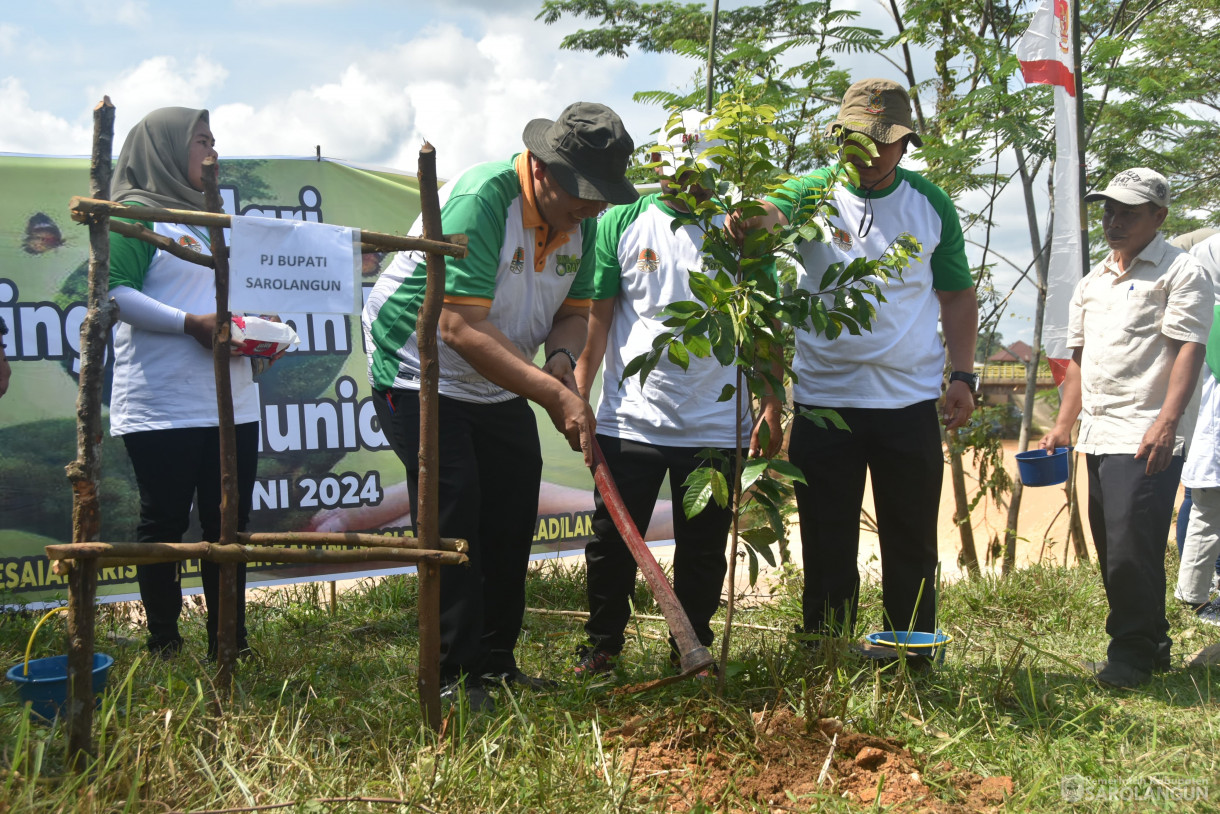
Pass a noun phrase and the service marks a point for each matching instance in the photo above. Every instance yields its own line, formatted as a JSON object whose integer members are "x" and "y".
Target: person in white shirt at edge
{"x": 659, "y": 428}
{"x": 1137, "y": 325}
{"x": 1201, "y": 473}
{"x": 884, "y": 383}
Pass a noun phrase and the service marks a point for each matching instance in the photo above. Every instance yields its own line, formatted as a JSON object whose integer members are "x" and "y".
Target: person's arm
{"x": 1060, "y": 435}
{"x": 467, "y": 329}
{"x": 568, "y": 331}
{"x": 600, "y": 318}
{"x": 959, "y": 318}
{"x": 737, "y": 227}
{"x": 1158, "y": 441}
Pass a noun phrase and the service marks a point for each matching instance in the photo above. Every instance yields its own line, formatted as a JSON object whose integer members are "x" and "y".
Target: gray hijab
{"x": 152, "y": 167}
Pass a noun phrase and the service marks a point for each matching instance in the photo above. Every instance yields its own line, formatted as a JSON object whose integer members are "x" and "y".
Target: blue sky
{"x": 368, "y": 80}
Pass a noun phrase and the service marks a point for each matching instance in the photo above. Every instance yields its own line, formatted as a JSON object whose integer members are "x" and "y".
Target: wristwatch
{"x": 971, "y": 379}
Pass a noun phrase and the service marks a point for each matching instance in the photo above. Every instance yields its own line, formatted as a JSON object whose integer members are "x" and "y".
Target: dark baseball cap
{"x": 587, "y": 150}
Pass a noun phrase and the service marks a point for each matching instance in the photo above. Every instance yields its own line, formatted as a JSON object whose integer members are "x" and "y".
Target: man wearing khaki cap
{"x": 885, "y": 383}
{"x": 526, "y": 283}
{"x": 1137, "y": 327}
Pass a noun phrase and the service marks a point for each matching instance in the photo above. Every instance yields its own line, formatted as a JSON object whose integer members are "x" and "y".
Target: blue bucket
{"x": 913, "y": 643}
{"x": 45, "y": 687}
{"x": 1037, "y": 467}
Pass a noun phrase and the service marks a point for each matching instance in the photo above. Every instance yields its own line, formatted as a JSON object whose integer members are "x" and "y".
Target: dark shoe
{"x": 1120, "y": 675}
{"x": 164, "y": 649}
{"x": 474, "y": 695}
{"x": 517, "y": 678}
{"x": 594, "y": 661}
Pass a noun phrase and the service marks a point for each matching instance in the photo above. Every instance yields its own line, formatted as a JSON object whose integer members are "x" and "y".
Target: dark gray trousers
{"x": 1129, "y": 513}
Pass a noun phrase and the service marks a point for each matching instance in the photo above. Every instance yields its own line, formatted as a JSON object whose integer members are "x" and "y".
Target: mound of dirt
{"x": 783, "y": 761}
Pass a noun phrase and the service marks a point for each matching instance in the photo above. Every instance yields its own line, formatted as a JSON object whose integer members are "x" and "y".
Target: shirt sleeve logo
{"x": 189, "y": 242}
{"x": 648, "y": 261}
{"x": 517, "y": 264}
{"x": 566, "y": 264}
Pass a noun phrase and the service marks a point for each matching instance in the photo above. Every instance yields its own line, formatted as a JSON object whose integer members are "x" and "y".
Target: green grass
{"x": 331, "y": 710}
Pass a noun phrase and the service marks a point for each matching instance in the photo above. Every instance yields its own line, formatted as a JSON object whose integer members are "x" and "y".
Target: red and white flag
{"x": 1045, "y": 52}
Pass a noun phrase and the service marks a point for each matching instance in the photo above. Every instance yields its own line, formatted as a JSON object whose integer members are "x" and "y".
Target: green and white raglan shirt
{"x": 901, "y": 360}
{"x": 168, "y": 380}
{"x": 486, "y": 204}
{"x": 645, "y": 265}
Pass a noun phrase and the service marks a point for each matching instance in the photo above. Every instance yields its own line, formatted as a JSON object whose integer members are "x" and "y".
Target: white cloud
{"x": 159, "y": 81}
{"x": 132, "y": 13}
{"x": 26, "y": 130}
{"x": 8, "y": 38}
{"x": 359, "y": 117}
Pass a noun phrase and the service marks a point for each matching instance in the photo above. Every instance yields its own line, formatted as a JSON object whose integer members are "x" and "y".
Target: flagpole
{"x": 1080, "y": 131}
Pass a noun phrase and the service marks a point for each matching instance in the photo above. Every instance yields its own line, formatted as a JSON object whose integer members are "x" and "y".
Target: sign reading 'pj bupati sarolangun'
{"x": 293, "y": 265}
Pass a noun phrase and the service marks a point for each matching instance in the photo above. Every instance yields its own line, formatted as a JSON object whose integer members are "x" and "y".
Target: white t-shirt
{"x": 901, "y": 361}
{"x": 645, "y": 266}
{"x": 167, "y": 380}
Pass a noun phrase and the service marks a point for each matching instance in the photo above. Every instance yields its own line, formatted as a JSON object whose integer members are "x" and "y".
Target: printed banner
{"x": 323, "y": 465}
{"x": 292, "y": 265}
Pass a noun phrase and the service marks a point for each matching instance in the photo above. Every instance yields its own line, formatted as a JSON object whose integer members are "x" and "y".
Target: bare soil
{"x": 780, "y": 760}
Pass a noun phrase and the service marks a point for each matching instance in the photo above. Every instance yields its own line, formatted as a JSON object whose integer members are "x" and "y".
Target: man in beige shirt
{"x": 1137, "y": 327}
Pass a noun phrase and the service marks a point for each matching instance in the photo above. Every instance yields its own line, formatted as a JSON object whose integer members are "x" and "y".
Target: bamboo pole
{"x": 83, "y": 473}
{"x": 427, "y": 503}
{"x": 226, "y": 612}
{"x": 85, "y": 209}
{"x": 347, "y": 538}
{"x": 115, "y": 554}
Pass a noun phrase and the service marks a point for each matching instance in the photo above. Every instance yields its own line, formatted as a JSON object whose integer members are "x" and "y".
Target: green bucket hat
{"x": 878, "y": 108}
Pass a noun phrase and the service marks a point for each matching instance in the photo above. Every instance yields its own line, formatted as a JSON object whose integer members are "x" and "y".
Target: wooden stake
{"x": 226, "y": 613}
{"x": 84, "y": 209}
{"x": 84, "y": 471}
{"x": 127, "y": 553}
{"x": 427, "y": 523}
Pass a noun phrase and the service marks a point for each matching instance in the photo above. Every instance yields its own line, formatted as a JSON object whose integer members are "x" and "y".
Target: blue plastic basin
{"x": 45, "y": 687}
{"x": 915, "y": 643}
{"x": 1037, "y": 467}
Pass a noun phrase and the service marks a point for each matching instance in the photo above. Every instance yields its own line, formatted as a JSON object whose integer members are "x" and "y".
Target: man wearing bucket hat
{"x": 525, "y": 284}
{"x": 885, "y": 383}
{"x": 649, "y": 431}
{"x": 1137, "y": 327}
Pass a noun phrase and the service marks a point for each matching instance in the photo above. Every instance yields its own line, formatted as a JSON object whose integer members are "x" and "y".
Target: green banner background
{"x": 323, "y": 464}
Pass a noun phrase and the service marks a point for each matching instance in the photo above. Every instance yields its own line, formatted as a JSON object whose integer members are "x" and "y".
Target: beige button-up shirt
{"x": 1122, "y": 321}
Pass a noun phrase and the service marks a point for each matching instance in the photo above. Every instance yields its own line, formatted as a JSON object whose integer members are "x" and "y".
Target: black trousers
{"x": 901, "y": 450}
{"x": 173, "y": 469}
{"x": 490, "y": 470}
{"x": 1129, "y": 515}
{"x": 638, "y": 470}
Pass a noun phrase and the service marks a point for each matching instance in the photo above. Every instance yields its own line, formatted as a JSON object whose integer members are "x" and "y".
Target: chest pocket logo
{"x": 189, "y": 242}
{"x": 517, "y": 264}
{"x": 648, "y": 261}
{"x": 841, "y": 238}
{"x": 566, "y": 264}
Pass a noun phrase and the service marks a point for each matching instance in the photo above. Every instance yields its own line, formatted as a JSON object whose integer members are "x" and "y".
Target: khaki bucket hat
{"x": 878, "y": 108}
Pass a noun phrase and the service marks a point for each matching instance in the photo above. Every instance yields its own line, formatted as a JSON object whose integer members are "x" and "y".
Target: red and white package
{"x": 261, "y": 337}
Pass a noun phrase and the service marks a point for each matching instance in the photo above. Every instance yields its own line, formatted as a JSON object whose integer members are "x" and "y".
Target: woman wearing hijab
{"x": 163, "y": 403}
